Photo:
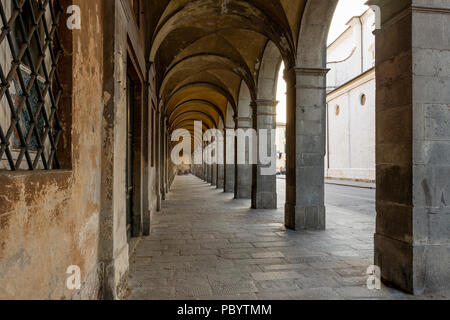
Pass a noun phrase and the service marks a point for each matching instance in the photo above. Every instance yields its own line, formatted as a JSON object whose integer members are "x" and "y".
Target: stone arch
{"x": 245, "y": 98}
{"x": 268, "y": 72}
{"x": 313, "y": 34}
{"x": 306, "y": 117}
{"x": 237, "y": 14}
{"x": 201, "y": 63}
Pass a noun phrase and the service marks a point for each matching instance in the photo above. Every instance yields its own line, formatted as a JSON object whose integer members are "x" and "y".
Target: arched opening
{"x": 281, "y": 147}
{"x": 350, "y": 118}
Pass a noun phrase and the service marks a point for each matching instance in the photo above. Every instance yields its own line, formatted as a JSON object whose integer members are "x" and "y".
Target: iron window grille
{"x": 30, "y": 88}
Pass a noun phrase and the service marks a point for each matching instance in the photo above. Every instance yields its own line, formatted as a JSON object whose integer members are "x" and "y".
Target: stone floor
{"x": 205, "y": 245}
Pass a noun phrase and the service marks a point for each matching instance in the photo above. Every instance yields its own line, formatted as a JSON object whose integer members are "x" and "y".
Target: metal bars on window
{"x": 30, "y": 89}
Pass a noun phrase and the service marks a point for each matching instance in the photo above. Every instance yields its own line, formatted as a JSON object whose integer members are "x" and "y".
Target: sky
{"x": 345, "y": 10}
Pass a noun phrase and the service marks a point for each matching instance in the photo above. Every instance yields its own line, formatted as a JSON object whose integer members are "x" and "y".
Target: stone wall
{"x": 50, "y": 220}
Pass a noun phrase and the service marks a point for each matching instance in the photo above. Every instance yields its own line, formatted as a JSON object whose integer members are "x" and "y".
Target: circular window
{"x": 363, "y": 99}
{"x": 338, "y": 110}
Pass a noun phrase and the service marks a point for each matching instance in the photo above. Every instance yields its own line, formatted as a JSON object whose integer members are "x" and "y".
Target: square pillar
{"x": 412, "y": 240}
{"x": 243, "y": 172}
{"x": 229, "y": 168}
{"x": 264, "y": 187}
{"x": 210, "y": 168}
{"x": 214, "y": 175}
{"x": 305, "y": 180}
{"x": 220, "y": 176}
{"x": 167, "y": 156}
{"x": 158, "y": 162}
{"x": 163, "y": 157}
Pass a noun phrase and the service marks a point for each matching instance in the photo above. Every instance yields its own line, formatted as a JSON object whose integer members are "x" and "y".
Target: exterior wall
{"x": 281, "y": 147}
{"x": 351, "y": 131}
{"x": 352, "y": 53}
{"x": 50, "y": 220}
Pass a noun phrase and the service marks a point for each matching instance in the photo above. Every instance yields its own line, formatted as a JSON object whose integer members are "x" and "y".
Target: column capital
{"x": 266, "y": 103}
{"x": 244, "y": 122}
{"x": 244, "y": 119}
{"x": 309, "y": 71}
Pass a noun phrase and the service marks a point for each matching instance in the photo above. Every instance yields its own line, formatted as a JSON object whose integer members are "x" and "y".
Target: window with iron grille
{"x": 30, "y": 89}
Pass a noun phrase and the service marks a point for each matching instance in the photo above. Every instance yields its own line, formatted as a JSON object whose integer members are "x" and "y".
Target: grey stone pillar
{"x": 305, "y": 181}
{"x": 264, "y": 187}
{"x": 229, "y": 168}
{"x": 244, "y": 172}
{"x": 163, "y": 158}
{"x": 167, "y": 157}
{"x": 220, "y": 176}
{"x": 221, "y": 161}
{"x": 214, "y": 175}
{"x": 158, "y": 161}
{"x": 205, "y": 166}
{"x": 412, "y": 240}
{"x": 208, "y": 165}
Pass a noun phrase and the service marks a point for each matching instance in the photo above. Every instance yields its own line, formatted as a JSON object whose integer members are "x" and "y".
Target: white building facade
{"x": 281, "y": 147}
{"x": 351, "y": 102}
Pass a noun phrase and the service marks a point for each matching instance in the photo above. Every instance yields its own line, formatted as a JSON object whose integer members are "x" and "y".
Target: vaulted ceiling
{"x": 203, "y": 50}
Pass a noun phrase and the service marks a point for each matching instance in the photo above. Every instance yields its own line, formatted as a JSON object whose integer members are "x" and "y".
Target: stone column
{"x": 229, "y": 158}
{"x": 220, "y": 160}
{"x": 220, "y": 176}
{"x": 168, "y": 160}
{"x": 208, "y": 165}
{"x": 264, "y": 187}
{"x": 163, "y": 158}
{"x": 112, "y": 228}
{"x": 244, "y": 172}
{"x": 214, "y": 175}
{"x": 305, "y": 181}
{"x": 158, "y": 161}
{"x": 412, "y": 240}
{"x": 205, "y": 166}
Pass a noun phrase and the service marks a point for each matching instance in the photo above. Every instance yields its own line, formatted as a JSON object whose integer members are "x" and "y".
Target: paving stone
{"x": 230, "y": 286}
{"x": 280, "y": 275}
{"x": 276, "y": 285}
{"x": 316, "y": 282}
{"x": 361, "y": 292}
{"x": 352, "y": 281}
{"x": 287, "y": 267}
{"x": 233, "y": 297}
{"x": 193, "y": 291}
{"x": 273, "y": 244}
{"x": 267, "y": 255}
{"x": 315, "y": 294}
{"x": 214, "y": 247}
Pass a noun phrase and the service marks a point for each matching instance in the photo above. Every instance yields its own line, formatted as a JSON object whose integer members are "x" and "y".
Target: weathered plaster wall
{"x": 50, "y": 220}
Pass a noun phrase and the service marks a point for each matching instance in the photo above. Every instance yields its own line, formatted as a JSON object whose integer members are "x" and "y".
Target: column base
{"x": 229, "y": 188}
{"x": 115, "y": 282}
{"x": 305, "y": 218}
{"x": 265, "y": 200}
{"x": 243, "y": 193}
{"x": 416, "y": 269}
{"x": 158, "y": 202}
